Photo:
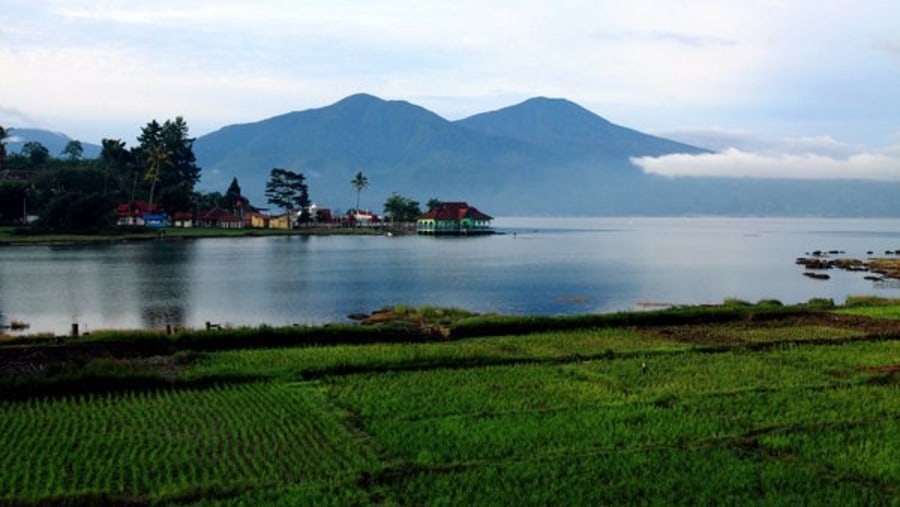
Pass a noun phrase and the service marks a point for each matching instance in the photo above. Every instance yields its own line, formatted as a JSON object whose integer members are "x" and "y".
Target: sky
{"x": 777, "y": 88}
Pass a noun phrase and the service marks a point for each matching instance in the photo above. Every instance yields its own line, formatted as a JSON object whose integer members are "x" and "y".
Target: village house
{"x": 454, "y": 218}
{"x": 220, "y": 218}
{"x": 280, "y": 221}
{"x": 360, "y": 218}
{"x": 257, "y": 220}
{"x": 136, "y": 213}
{"x": 323, "y": 216}
{"x": 183, "y": 220}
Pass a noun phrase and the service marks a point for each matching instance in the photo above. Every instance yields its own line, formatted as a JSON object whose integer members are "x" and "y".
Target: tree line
{"x": 70, "y": 193}
{"x": 288, "y": 190}
{"x": 73, "y": 194}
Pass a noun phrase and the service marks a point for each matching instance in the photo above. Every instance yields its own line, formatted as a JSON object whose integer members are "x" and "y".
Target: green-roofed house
{"x": 454, "y": 218}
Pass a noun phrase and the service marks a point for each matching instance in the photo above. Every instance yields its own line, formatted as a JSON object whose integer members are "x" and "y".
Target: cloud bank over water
{"x": 809, "y": 165}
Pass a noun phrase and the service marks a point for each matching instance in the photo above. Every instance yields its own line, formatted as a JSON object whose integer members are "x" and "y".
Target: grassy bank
{"x": 18, "y": 236}
{"x": 743, "y": 404}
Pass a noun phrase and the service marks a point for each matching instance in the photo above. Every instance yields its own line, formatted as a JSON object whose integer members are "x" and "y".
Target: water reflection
{"x": 162, "y": 285}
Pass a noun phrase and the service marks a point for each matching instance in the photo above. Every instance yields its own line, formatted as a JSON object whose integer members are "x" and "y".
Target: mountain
{"x": 506, "y": 160}
{"x": 400, "y": 147}
{"x": 541, "y": 157}
{"x": 565, "y": 127}
{"x": 55, "y": 142}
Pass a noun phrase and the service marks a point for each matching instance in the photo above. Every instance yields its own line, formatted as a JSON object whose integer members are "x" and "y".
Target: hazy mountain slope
{"x": 55, "y": 142}
{"x": 398, "y": 146}
{"x": 540, "y": 157}
{"x": 564, "y": 126}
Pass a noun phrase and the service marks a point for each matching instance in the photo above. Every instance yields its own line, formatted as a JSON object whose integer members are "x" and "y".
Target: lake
{"x": 552, "y": 266}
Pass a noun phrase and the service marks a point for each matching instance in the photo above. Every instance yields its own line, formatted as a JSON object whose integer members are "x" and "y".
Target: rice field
{"x": 173, "y": 444}
{"x": 774, "y": 413}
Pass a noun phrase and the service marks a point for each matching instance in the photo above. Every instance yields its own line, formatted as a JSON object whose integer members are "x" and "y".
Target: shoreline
{"x": 450, "y": 323}
{"x": 9, "y": 238}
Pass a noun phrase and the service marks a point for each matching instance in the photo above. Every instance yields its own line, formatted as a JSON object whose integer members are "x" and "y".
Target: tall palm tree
{"x": 156, "y": 159}
{"x": 359, "y": 182}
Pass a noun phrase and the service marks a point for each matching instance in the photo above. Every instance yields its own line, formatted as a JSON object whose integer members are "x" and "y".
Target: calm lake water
{"x": 539, "y": 266}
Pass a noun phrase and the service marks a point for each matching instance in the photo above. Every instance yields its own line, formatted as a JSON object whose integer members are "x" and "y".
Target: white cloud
{"x": 720, "y": 139}
{"x": 734, "y": 163}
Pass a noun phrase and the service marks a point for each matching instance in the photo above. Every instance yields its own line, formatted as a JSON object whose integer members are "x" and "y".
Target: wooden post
{"x": 75, "y": 329}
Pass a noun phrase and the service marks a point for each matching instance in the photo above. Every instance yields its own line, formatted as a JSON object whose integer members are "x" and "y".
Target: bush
{"x": 820, "y": 303}
{"x": 867, "y": 301}
{"x": 732, "y": 302}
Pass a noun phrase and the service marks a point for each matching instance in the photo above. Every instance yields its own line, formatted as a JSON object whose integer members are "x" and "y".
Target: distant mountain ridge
{"x": 540, "y": 157}
{"x": 564, "y": 126}
{"x": 55, "y": 142}
{"x": 507, "y": 160}
{"x": 543, "y": 156}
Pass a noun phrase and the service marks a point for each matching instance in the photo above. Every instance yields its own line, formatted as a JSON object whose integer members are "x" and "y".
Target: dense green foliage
{"x": 75, "y": 195}
{"x": 401, "y": 209}
{"x": 786, "y": 407}
{"x": 288, "y": 190}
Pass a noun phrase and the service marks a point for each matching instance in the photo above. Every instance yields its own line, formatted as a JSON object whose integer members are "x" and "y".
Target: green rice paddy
{"x": 776, "y": 412}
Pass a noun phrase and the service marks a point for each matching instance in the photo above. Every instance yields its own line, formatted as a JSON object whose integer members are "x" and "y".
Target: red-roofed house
{"x": 454, "y": 218}
{"x": 183, "y": 219}
{"x": 221, "y": 219}
{"x": 133, "y": 213}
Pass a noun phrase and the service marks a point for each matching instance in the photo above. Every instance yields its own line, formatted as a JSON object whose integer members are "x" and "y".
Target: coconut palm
{"x": 156, "y": 159}
{"x": 359, "y": 182}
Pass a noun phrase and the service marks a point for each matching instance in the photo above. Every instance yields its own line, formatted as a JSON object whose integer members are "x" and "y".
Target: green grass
{"x": 657, "y": 476}
{"x": 786, "y": 333}
{"x": 24, "y": 236}
{"x": 627, "y": 410}
{"x": 301, "y": 362}
{"x": 171, "y": 444}
{"x": 878, "y": 312}
{"x": 872, "y": 306}
{"x": 516, "y": 419}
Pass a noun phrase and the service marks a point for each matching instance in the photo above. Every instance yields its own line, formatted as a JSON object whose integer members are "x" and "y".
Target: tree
{"x": 359, "y": 182}
{"x": 77, "y": 212}
{"x": 433, "y": 203}
{"x": 3, "y": 135}
{"x": 208, "y": 200}
{"x": 287, "y": 190}
{"x": 36, "y": 153}
{"x": 73, "y": 150}
{"x": 176, "y": 177}
{"x": 401, "y": 209}
{"x": 12, "y": 195}
{"x": 157, "y": 159}
{"x": 116, "y": 160}
{"x": 233, "y": 200}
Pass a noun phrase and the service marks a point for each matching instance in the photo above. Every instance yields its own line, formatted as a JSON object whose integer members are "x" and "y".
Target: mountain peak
{"x": 566, "y": 127}
{"x": 405, "y": 148}
{"x": 359, "y": 99}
